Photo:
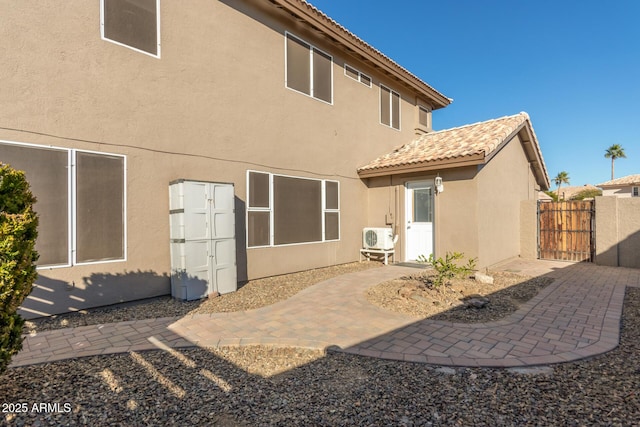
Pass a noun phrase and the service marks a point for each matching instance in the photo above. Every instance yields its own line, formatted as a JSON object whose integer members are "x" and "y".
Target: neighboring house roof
{"x": 569, "y": 192}
{"x": 622, "y": 182}
{"x": 544, "y": 196}
{"x": 462, "y": 146}
{"x": 336, "y": 33}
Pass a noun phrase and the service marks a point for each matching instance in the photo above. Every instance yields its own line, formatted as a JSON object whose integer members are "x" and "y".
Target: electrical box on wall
{"x": 388, "y": 218}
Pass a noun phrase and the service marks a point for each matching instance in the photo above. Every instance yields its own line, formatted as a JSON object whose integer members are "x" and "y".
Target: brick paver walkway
{"x": 575, "y": 317}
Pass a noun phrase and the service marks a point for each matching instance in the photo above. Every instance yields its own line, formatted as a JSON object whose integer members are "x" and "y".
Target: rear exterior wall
{"x": 212, "y": 107}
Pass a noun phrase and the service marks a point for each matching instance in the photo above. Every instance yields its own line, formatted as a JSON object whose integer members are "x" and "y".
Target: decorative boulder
{"x": 483, "y": 278}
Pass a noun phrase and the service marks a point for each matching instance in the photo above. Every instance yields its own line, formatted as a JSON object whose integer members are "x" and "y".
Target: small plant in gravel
{"x": 447, "y": 268}
{"x": 18, "y": 232}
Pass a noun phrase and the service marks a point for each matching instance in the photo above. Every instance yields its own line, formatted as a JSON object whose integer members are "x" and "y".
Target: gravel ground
{"x": 409, "y": 295}
{"x": 246, "y": 387}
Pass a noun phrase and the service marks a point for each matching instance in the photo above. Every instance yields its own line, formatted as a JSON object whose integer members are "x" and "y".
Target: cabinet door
{"x": 223, "y": 244}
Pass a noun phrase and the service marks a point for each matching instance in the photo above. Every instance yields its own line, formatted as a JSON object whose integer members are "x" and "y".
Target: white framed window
{"x": 308, "y": 70}
{"x": 389, "y": 107}
{"x": 288, "y": 210}
{"x": 132, "y": 23}
{"x": 81, "y": 202}
{"x": 349, "y": 71}
{"x": 424, "y": 117}
{"x": 635, "y": 191}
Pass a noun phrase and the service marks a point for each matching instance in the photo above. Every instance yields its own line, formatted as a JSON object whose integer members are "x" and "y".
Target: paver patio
{"x": 575, "y": 317}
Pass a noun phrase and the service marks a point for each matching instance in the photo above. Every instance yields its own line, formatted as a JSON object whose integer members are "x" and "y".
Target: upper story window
{"x": 389, "y": 107}
{"x": 308, "y": 69}
{"x": 423, "y": 118}
{"x": 132, "y": 23}
{"x": 635, "y": 191}
{"x": 349, "y": 71}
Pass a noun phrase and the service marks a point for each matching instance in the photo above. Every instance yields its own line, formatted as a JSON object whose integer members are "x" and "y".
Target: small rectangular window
{"x": 636, "y": 191}
{"x": 308, "y": 69}
{"x": 349, "y": 71}
{"x": 389, "y": 107}
{"x": 132, "y": 23}
{"x": 423, "y": 116}
{"x": 331, "y": 210}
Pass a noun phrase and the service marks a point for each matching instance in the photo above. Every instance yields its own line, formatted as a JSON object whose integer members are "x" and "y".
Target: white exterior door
{"x": 419, "y": 220}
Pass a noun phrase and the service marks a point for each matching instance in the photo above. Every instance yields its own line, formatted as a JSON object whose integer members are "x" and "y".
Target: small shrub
{"x": 586, "y": 194}
{"x": 447, "y": 269}
{"x": 18, "y": 232}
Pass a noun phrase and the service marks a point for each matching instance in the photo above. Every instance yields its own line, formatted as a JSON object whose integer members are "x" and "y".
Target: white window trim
{"x": 360, "y": 75}
{"x": 271, "y": 213}
{"x": 71, "y": 204}
{"x": 392, "y": 92}
{"x": 327, "y": 210}
{"x": 311, "y": 49}
{"x": 126, "y": 45}
{"x": 74, "y": 250}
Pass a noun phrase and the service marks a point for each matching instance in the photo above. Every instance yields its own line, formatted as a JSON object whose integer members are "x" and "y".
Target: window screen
{"x": 258, "y": 228}
{"x": 351, "y": 72}
{"x": 99, "y": 207}
{"x": 308, "y": 69}
{"x": 331, "y": 195}
{"x": 133, "y": 23}
{"x": 258, "y": 190}
{"x": 331, "y": 225}
{"x": 48, "y": 176}
{"x": 321, "y": 76}
{"x": 389, "y": 108}
{"x": 423, "y": 116}
{"x": 297, "y": 210}
{"x": 298, "y": 65}
{"x": 395, "y": 110}
{"x": 385, "y": 106}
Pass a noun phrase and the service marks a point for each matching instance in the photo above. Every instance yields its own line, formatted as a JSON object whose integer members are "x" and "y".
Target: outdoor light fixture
{"x": 439, "y": 185}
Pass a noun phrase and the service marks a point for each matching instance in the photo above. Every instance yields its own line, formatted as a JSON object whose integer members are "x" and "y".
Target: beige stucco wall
{"x": 618, "y": 192}
{"x": 503, "y": 183}
{"x": 478, "y": 213}
{"x": 455, "y": 210}
{"x": 212, "y": 107}
{"x": 618, "y": 231}
{"x": 529, "y": 229}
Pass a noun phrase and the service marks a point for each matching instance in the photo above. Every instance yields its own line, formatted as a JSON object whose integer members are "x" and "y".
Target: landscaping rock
{"x": 483, "y": 278}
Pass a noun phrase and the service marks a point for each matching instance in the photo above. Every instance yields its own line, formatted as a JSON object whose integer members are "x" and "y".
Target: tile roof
{"x": 470, "y": 144}
{"x": 619, "y": 182}
{"x": 310, "y": 14}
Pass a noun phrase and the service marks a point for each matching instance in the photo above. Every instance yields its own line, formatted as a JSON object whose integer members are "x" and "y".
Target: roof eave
{"x": 457, "y": 162}
{"x": 353, "y": 44}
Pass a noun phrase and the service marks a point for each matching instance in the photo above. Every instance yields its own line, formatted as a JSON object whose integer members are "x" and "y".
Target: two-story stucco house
{"x": 106, "y": 103}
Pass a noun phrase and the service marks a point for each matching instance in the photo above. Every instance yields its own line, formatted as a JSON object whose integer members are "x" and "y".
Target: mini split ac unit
{"x": 377, "y": 238}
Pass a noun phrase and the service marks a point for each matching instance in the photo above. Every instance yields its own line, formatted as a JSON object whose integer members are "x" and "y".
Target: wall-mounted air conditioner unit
{"x": 377, "y": 238}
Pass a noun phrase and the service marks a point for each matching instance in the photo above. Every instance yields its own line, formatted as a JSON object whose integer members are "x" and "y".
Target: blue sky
{"x": 574, "y": 66}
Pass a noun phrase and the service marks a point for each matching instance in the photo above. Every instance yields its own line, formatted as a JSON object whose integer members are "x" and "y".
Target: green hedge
{"x": 18, "y": 232}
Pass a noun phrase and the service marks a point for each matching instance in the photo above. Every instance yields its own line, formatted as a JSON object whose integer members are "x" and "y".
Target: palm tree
{"x": 561, "y": 178}
{"x": 614, "y": 152}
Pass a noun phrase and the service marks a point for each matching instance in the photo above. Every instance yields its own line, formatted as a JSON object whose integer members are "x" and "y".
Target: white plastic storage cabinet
{"x": 203, "y": 243}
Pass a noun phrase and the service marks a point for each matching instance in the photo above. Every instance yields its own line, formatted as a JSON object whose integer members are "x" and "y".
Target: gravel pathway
{"x": 245, "y": 387}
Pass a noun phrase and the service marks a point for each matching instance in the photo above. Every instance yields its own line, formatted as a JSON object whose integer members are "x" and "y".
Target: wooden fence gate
{"x": 566, "y": 230}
